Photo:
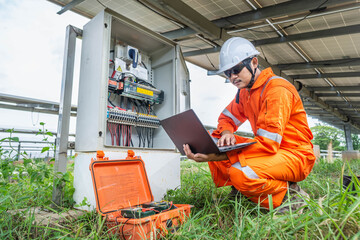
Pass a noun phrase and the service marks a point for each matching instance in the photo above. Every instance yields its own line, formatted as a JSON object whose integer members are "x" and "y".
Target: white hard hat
{"x": 235, "y": 50}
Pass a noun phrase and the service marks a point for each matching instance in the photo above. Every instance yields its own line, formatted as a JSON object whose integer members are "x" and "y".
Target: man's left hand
{"x": 199, "y": 157}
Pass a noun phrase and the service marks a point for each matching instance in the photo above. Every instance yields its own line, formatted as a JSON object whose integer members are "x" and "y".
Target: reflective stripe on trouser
{"x": 274, "y": 171}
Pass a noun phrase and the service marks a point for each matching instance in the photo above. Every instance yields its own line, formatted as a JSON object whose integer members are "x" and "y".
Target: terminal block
{"x": 149, "y": 121}
{"x": 131, "y": 118}
{"x": 122, "y": 117}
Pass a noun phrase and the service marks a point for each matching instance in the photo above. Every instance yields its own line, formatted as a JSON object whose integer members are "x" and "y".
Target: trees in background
{"x": 323, "y": 134}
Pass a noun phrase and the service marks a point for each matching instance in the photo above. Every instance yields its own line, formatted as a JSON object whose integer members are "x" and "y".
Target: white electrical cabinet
{"x": 130, "y": 78}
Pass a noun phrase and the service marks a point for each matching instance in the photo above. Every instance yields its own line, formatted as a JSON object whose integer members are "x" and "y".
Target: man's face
{"x": 239, "y": 76}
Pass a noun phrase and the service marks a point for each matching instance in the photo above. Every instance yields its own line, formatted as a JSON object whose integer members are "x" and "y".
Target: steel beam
{"x": 346, "y": 107}
{"x": 201, "y": 52}
{"x": 281, "y": 9}
{"x": 296, "y": 37}
{"x": 345, "y": 94}
{"x": 69, "y": 6}
{"x": 318, "y": 112}
{"x": 321, "y": 64}
{"x": 310, "y": 35}
{"x": 22, "y": 101}
{"x": 327, "y": 75}
{"x": 188, "y": 16}
{"x": 64, "y": 114}
{"x": 343, "y": 102}
{"x": 335, "y": 88}
{"x": 34, "y": 109}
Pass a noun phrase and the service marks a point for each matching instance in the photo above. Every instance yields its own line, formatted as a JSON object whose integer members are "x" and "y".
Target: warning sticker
{"x": 145, "y": 91}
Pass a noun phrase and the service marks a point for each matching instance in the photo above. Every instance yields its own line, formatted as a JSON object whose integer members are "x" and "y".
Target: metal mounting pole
{"x": 19, "y": 149}
{"x": 64, "y": 112}
{"x": 349, "y": 143}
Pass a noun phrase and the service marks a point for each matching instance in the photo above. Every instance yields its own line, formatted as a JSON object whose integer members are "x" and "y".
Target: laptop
{"x": 186, "y": 128}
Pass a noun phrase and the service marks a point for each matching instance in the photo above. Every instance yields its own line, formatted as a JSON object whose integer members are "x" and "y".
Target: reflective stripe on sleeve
{"x": 246, "y": 170}
{"x": 229, "y": 114}
{"x": 270, "y": 135}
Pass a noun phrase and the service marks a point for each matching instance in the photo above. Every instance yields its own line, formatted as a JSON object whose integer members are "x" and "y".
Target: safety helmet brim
{"x": 234, "y": 51}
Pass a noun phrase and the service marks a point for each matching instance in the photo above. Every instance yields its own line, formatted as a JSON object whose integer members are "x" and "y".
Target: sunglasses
{"x": 234, "y": 70}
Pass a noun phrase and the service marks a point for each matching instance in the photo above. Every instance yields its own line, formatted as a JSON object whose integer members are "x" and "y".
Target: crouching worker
{"x": 283, "y": 154}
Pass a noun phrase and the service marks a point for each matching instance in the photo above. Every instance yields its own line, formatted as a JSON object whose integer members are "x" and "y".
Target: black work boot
{"x": 296, "y": 197}
{"x": 234, "y": 193}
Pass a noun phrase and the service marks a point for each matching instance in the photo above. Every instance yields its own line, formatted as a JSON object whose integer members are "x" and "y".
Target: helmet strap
{"x": 238, "y": 96}
{"x": 252, "y": 81}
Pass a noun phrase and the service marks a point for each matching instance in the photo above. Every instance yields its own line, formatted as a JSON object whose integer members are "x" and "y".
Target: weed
{"x": 332, "y": 212}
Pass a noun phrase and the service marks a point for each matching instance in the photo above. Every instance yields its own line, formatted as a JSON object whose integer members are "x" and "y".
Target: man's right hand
{"x": 227, "y": 138}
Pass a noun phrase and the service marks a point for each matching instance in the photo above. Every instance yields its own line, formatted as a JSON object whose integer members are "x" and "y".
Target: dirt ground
{"x": 44, "y": 217}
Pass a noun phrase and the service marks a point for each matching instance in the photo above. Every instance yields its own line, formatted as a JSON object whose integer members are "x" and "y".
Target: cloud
{"x": 34, "y": 37}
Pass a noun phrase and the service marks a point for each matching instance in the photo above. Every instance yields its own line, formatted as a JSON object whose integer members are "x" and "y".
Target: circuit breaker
{"x": 130, "y": 78}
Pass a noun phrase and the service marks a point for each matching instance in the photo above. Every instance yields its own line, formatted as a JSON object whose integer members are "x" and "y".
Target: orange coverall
{"x": 283, "y": 151}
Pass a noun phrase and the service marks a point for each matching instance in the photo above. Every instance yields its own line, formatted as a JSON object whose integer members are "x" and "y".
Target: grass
{"x": 332, "y": 212}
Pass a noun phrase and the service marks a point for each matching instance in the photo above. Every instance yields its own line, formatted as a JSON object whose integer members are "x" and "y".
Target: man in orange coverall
{"x": 283, "y": 154}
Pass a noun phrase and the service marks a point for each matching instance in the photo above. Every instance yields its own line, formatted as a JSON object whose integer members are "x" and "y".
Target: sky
{"x": 32, "y": 38}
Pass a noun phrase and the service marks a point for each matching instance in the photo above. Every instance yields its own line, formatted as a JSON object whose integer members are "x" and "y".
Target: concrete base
{"x": 350, "y": 155}
{"x": 316, "y": 150}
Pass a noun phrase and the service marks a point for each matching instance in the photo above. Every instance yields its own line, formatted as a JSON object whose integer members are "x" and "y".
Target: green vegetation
{"x": 324, "y": 134}
{"x": 332, "y": 212}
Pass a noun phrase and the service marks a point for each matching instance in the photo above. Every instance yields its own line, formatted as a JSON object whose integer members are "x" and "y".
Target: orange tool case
{"x": 123, "y": 195}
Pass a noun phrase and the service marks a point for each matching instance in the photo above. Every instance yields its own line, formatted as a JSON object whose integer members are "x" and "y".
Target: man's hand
{"x": 199, "y": 157}
{"x": 227, "y": 138}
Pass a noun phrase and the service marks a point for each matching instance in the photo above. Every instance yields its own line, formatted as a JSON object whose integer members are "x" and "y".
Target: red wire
{"x": 116, "y": 133}
{"x": 127, "y": 135}
{"x": 123, "y": 134}
{"x": 111, "y": 134}
{"x": 130, "y": 134}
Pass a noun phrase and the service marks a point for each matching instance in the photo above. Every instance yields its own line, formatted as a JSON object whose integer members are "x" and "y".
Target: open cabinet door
{"x": 182, "y": 82}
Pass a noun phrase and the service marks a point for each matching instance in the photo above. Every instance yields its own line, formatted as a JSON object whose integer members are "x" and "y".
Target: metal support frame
{"x": 349, "y": 143}
{"x": 310, "y": 35}
{"x": 187, "y": 15}
{"x": 69, "y": 6}
{"x": 326, "y": 75}
{"x": 31, "y": 104}
{"x": 277, "y": 10}
{"x": 290, "y": 38}
{"x": 344, "y": 94}
{"x": 64, "y": 111}
{"x": 321, "y": 64}
{"x": 335, "y": 88}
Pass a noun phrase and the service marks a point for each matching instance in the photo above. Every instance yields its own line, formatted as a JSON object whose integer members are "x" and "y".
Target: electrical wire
{"x": 120, "y": 134}
{"x": 116, "y": 134}
{"x": 317, "y": 9}
{"x": 140, "y": 81}
{"x": 111, "y": 133}
{"x": 110, "y": 101}
{"x": 122, "y": 229}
